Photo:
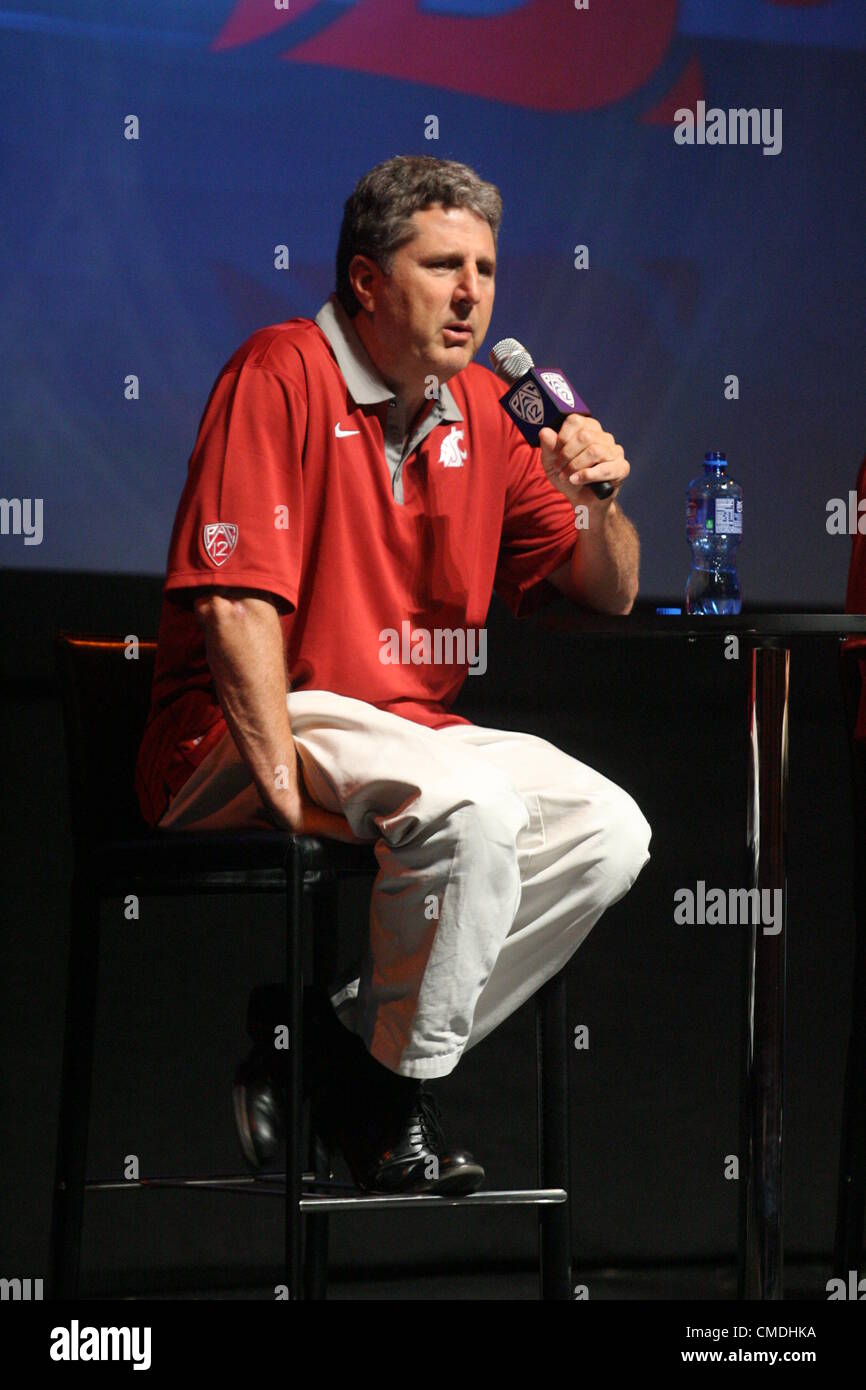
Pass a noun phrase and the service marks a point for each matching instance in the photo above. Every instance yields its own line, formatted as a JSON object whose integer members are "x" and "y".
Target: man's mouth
{"x": 461, "y": 330}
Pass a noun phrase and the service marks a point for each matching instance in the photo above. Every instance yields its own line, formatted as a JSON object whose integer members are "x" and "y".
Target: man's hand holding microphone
{"x": 580, "y": 458}
{"x": 580, "y": 454}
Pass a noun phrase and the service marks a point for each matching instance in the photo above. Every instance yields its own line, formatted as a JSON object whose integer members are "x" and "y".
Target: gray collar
{"x": 366, "y": 386}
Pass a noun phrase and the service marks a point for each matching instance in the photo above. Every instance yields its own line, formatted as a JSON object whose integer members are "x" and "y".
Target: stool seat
{"x": 245, "y": 857}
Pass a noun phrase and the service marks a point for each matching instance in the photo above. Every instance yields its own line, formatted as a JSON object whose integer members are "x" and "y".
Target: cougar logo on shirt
{"x": 451, "y": 455}
{"x": 219, "y": 540}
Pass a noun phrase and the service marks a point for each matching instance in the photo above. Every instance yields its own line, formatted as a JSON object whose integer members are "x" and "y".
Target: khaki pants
{"x": 497, "y": 855}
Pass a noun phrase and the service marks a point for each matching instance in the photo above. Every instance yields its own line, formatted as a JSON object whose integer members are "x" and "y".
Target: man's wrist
{"x": 282, "y": 793}
{"x": 601, "y": 507}
{"x": 283, "y": 807}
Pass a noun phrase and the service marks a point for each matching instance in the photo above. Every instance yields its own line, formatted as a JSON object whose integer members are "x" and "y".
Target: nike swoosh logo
{"x": 341, "y": 434}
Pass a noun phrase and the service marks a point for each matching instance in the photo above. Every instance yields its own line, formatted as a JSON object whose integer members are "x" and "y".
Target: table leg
{"x": 760, "y": 1252}
{"x": 554, "y": 1166}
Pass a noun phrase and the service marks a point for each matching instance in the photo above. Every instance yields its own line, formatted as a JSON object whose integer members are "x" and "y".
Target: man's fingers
{"x": 302, "y": 815}
{"x": 315, "y": 820}
{"x": 601, "y": 472}
{"x": 336, "y": 827}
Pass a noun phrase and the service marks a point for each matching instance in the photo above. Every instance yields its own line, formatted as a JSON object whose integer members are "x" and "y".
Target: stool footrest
{"x": 374, "y": 1201}
{"x": 232, "y": 1182}
{"x": 333, "y": 1196}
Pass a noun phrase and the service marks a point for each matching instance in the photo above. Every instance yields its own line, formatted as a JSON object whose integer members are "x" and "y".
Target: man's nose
{"x": 469, "y": 287}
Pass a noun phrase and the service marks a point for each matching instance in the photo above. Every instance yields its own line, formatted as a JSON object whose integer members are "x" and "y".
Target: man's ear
{"x": 364, "y": 275}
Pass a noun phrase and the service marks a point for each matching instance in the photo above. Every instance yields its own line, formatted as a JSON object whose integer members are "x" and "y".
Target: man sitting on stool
{"x": 355, "y": 495}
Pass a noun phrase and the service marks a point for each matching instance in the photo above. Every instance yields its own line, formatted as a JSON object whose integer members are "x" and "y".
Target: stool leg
{"x": 324, "y": 909}
{"x": 848, "y": 1253}
{"x": 76, "y": 1078}
{"x": 554, "y": 1228}
{"x": 852, "y": 1150}
{"x": 324, "y": 903}
{"x": 316, "y": 1245}
{"x": 295, "y": 907}
{"x": 761, "y": 1255}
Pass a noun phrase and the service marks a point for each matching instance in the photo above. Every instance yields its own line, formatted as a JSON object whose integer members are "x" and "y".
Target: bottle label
{"x": 729, "y": 516}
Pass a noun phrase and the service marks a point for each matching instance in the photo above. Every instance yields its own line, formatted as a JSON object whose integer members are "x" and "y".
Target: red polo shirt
{"x": 289, "y": 491}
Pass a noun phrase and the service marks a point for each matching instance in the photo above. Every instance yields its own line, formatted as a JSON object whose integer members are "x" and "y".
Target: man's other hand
{"x": 297, "y": 812}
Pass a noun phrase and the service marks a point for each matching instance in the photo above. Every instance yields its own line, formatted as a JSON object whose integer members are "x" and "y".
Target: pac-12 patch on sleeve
{"x": 219, "y": 540}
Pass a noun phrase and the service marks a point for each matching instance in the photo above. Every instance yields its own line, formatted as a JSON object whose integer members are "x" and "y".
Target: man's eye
{"x": 452, "y": 265}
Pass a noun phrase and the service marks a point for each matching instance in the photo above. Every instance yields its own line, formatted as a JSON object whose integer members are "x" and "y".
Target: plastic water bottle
{"x": 714, "y": 529}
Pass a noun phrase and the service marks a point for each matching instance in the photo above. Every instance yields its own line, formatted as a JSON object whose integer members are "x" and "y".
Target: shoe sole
{"x": 460, "y": 1183}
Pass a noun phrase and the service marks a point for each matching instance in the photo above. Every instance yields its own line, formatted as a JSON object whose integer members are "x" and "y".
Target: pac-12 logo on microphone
{"x": 559, "y": 386}
{"x": 527, "y": 404}
{"x": 219, "y": 540}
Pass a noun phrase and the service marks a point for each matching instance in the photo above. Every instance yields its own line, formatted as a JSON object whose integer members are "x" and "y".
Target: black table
{"x": 769, "y": 638}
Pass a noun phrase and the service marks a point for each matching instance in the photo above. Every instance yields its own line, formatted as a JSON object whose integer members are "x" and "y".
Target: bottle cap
{"x": 715, "y": 456}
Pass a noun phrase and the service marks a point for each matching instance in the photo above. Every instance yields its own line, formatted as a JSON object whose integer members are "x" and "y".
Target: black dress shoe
{"x": 259, "y": 1108}
{"x": 261, "y": 1079}
{"x": 387, "y": 1126}
{"x": 404, "y": 1153}
{"x": 258, "y": 1090}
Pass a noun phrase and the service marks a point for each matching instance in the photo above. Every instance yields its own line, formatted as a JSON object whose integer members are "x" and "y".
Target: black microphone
{"x": 536, "y": 398}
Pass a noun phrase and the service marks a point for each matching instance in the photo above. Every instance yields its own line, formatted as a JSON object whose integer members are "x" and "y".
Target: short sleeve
{"x": 538, "y": 531}
{"x": 240, "y": 520}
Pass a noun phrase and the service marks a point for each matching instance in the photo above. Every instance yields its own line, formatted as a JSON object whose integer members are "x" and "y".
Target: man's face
{"x": 444, "y": 276}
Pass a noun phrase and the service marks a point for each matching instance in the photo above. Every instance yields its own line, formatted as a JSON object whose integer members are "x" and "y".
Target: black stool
{"x": 848, "y": 1254}
{"x": 105, "y": 688}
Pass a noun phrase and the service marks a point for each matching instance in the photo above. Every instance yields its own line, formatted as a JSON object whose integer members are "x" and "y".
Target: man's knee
{"x": 626, "y": 836}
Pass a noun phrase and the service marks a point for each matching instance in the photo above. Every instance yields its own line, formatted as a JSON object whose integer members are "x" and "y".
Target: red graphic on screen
{"x": 546, "y": 56}
{"x": 687, "y": 91}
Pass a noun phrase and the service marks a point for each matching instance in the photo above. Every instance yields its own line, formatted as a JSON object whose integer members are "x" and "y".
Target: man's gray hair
{"x": 377, "y": 215}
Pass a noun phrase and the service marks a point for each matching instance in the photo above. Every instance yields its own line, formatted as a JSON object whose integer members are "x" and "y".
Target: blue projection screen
{"x": 154, "y": 155}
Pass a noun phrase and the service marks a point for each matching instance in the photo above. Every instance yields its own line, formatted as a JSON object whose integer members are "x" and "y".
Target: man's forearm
{"x": 605, "y": 562}
{"x": 244, "y": 647}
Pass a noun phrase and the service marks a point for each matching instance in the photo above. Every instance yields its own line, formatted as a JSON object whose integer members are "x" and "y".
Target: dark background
{"x": 155, "y": 257}
{"x": 653, "y": 1100}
